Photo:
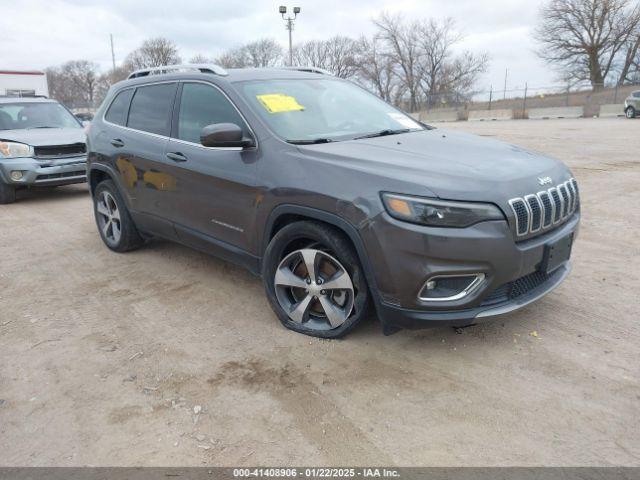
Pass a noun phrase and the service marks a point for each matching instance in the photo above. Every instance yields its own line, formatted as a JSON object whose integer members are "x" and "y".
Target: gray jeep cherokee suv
{"x": 338, "y": 200}
{"x": 41, "y": 144}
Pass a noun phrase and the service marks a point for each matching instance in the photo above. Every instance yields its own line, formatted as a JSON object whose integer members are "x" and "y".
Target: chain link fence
{"x": 520, "y": 100}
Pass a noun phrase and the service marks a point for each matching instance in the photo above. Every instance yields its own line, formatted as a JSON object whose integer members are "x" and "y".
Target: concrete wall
{"x": 500, "y": 114}
{"x": 556, "y": 112}
{"x": 612, "y": 110}
{"x": 439, "y": 115}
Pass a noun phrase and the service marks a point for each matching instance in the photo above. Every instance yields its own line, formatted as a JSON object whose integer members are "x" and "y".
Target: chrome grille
{"x": 535, "y": 209}
{"x": 543, "y": 210}
{"x": 547, "y": 209}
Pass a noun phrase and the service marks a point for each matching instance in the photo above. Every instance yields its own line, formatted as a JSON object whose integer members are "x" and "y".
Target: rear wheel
{"x": 7, "y": 193}
{"x": 115, "y": 225}
{"x": 631, "y": 112}
{"x": 314, "y": 280}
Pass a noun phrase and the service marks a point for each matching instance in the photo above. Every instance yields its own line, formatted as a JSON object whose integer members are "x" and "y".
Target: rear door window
{"x": 202, "y": 105}
{"x": 117, "y": 112}
{"x": 151, "y": 108}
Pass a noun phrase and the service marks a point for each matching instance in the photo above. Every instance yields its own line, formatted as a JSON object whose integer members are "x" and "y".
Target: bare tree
{"x": 402, "y": 42}
{"x": 74, "y": 83}
{"x": 263, "y": 53}
{"x": 153, "y": 52}
{"x": 337, "y": 54}
{"x": 631, "y": 61}
{"x": 109, "y": 78}
{"x": 233, "y": 58}
{"x": 199, "y": 58}
{"x": 59, "y": 86}
{"x": 376, "y": 70}
{"x": 442, "y": 71}
{"x": 259, "y": 54}
{"x": 582, "y": 38}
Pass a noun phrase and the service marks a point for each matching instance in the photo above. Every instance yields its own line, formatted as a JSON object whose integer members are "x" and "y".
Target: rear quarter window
{"x": 151, "y": 108}
{"x": 118, "y": 109}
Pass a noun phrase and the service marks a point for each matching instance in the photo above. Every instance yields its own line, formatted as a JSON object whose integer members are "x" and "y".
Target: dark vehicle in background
{"x": 41, "y": 144}
{"x": 84, "y": 116}
{"x": 338, "y": 200}
{"x": 632, "y": 104}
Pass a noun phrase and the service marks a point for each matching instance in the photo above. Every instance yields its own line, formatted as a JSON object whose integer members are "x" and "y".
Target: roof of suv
{"x": 232, "y": 75}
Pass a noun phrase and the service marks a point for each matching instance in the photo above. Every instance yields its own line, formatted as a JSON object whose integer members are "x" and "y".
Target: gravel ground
{"x": 165, "y": 356}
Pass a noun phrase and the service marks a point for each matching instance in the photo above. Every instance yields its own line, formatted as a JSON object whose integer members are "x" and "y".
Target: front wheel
{"x": 630, "y": 112}
{"x": 314, "y": 281}
{"x": 7, "y": 193}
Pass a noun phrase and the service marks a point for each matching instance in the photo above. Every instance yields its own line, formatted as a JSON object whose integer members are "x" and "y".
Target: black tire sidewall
{"x": 7, "y": 193}
{"x": 340, "y": 248}
{"x": 631, "y": 112}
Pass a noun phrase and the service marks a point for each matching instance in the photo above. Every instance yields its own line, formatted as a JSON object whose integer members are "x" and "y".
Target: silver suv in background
{"x": 632, "y": 104}
{"x": 41, "y": 144}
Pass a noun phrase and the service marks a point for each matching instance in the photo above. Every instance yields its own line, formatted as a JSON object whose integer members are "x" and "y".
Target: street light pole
{"x": 113, "y": 55}
{"x": 289, "y": 26}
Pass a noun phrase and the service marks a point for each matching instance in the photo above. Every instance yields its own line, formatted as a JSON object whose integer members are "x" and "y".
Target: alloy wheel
{"x": 109, "y": 217}
{"x": 631, "y": 112}
{"x": 314, "y": 289}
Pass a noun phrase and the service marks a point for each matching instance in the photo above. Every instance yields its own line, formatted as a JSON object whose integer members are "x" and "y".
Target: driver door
{"x": 216, "y": 201}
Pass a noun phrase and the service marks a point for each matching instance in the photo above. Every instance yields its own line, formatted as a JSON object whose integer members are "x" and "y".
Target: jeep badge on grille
{"x": 544, "y": 180}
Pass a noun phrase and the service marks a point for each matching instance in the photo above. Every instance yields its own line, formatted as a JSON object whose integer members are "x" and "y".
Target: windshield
{"x": 308, "y": 111}
{"x": 26, "y": 115}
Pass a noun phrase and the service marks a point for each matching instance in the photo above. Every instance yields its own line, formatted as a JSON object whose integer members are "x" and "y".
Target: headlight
{"x": 439, "y": 213}
{"x": 15, "y": 150}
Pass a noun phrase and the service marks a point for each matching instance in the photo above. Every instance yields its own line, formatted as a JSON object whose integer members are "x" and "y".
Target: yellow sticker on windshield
{"x": 279, "y": 102}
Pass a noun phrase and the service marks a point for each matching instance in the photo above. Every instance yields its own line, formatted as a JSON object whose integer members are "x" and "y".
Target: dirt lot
{"x": 166, "y": 356}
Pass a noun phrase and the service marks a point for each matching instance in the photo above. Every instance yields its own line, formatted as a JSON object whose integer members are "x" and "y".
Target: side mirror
{"x": 224, "y": 135}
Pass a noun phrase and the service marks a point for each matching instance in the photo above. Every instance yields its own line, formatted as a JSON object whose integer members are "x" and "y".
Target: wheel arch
{"x": 98, "y": 173}
{"x": 284, "y": 215}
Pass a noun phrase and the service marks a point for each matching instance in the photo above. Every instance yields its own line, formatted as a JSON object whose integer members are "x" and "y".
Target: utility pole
{"x": 504, "y": 93}
{"x": 491, "y": 96}
{"x": 113, "y": 55}
{"x": 289, "y": 26}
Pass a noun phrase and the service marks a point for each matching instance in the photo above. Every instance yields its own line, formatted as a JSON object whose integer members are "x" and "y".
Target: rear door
{"x": 217, "y": 186}
{"x": 152, "y": 188}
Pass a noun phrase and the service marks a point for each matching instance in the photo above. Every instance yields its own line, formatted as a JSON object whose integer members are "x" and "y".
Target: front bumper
{"x": 406, "y": 255}
{"x": 61, "y": 171}
{"x": 394, "y": 316}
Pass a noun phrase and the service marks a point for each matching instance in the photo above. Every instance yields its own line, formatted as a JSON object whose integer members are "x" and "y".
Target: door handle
{"x": 116, "y": 142}
{"x": 176, "y": 157}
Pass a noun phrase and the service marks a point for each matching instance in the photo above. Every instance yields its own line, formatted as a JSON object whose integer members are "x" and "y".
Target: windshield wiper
{"x": 43, "y": 126}
{"x": 383, "y": 133}
{"x": 310, "y": 142}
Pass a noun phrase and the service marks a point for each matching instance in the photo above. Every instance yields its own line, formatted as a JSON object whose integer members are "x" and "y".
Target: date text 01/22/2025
{"x": 316, "y": 472}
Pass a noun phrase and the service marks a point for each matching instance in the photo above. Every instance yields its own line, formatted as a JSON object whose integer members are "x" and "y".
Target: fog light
{"x": 16, "y": 175}
{"x": 450, "y": 287}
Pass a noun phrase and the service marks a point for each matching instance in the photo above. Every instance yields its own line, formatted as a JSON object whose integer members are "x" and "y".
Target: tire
{"x": 630, "y": 112}
{"x": 119, "y": 235}
{"x": 7, "y": 193}
{"x": 333, "y": 254}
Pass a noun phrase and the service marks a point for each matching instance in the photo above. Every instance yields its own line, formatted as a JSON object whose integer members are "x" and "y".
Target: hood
{"x": 448, "y": 164}
{"x": 41, "y": 137}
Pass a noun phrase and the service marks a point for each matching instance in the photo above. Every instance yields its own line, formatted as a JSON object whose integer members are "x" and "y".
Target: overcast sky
{"x": 35, "y": 34}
